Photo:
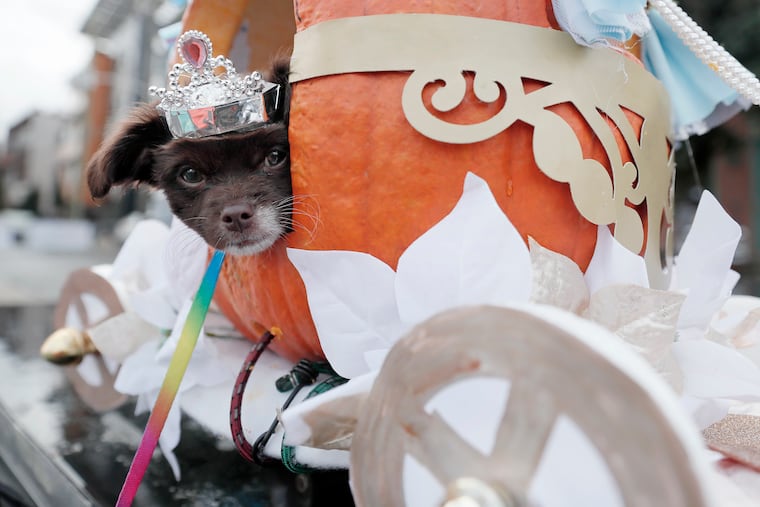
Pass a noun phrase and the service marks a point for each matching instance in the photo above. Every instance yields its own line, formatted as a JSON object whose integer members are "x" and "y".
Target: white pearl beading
{"x": 735, "y": 75}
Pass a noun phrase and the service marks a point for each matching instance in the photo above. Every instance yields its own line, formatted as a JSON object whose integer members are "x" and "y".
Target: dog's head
{"x": 233, "y": 189}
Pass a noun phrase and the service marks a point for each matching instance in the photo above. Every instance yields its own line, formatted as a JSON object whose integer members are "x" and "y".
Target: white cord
{"x": 735, "y": 75}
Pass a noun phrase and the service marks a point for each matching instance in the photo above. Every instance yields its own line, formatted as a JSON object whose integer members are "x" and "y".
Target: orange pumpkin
{"x": 378, "y": 184}
{"x": 270, "y": 27}
{"x": 219, "y": 20}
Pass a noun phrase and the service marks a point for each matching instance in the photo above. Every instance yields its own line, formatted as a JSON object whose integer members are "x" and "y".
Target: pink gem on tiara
{"x": 205, "y": 96}
{"x": 194, "y": 50}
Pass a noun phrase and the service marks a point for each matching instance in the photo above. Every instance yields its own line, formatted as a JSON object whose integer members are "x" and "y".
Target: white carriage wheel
{"x": 101, "y": 397}
{"x": 556, "y": 366}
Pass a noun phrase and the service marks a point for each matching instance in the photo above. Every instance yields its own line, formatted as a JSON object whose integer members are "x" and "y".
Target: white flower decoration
{"x": 360, "y": 306}
{"x": 474, "y": 256}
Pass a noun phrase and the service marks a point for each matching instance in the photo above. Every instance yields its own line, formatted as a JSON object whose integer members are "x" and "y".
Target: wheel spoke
{"x": 440, "y": 449}
{"x": 522, "y": 434}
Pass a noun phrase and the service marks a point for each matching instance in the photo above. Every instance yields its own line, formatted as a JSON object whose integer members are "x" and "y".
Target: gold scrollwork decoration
{"x": 447, "y": 98}
{"x": 601, "y": 84}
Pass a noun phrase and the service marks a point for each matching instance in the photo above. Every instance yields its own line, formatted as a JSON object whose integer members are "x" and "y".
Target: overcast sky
{"x": 43, "y": 50}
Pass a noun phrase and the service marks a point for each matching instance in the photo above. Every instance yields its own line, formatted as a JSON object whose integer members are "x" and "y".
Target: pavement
{"x": 32, "y": 277}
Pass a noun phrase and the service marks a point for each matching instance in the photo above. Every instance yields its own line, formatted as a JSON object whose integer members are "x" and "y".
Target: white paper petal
{"x": 171, "y": 458}
{"x": 210, "y": 405}
{"x": 473, "y": 256}
{"x": 737, "y": 324}
{"x": 375, "y": 358}
{"x": 614, "y": 264}
{"x": 703, "y": 265}
{"x": 670, "y": 371}
{"x": 204, "y": 367}
{"x": 737, "y": 486}
{"x": 142, "y": 404}
{"x": 168, "y": 347}
{"x": 309, "y": 422}
{"x": 170, "y": 433}
{"x": 118, "y": 337}
{"x": 184, "y": 261}
{"x": 705, "y": 412}
{"x": 713, "y": 231}
{"x": 169, "y": 437}
{"x": 154, "y": 306}
{"x": 557, "y": 280}
{"x": 746, "y": 409}
{"x": 644, "y": 318}
{"x": 352, "y": 303}
{"x": 706, "y": 297}
{"x": 713, "y": 371}
{"x": 140, "y": 373}
{"x": 140, "y": 260}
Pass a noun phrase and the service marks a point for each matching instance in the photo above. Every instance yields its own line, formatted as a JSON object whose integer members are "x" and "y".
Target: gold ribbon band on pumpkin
{"x": 601, "y": 83}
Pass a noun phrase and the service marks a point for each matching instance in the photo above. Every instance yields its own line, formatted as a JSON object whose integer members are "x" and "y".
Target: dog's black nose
{"x": 237, "y": 217}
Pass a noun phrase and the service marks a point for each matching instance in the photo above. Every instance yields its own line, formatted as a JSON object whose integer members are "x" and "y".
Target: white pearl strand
{"x": 736, "y": 75}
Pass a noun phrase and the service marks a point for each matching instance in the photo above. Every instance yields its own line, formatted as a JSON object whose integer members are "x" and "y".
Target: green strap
{"x": 288, "y": 452}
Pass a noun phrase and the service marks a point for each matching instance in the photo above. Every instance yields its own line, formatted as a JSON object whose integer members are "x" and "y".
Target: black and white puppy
{"x": 233, "y": 189}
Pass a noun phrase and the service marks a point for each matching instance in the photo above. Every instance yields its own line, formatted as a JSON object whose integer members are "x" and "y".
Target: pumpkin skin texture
{"x": 219, "y": 20}
{"x": 380, "y": 184}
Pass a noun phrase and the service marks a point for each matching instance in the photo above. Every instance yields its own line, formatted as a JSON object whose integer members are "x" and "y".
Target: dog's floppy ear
{"x": 127, "y": 155}
{"x": 279, "y": 73}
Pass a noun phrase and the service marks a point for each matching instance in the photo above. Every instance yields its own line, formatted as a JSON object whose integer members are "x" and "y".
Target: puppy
{"x": 233, "y": 189}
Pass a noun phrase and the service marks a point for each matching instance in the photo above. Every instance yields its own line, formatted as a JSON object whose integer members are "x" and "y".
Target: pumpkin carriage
{"x": 430, "y": 146}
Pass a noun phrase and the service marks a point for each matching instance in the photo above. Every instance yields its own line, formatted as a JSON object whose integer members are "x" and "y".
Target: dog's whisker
{"x": 305, "y": 199}
{"x": 312, "y": 212}
{"x": 303, "y": 220}
{"x": 300, "y": 198}
{"x": 300, "y": 217}
{"x": 313, "y": 218}
{"x": 306, "y": 203}
{"x": 292, "y": 224}
{"x": 303, "y": 213}
{"x": 286, "y": 202}
{"x": 183, "y": 243}
{"x": 187, "y": 242}
{"x": 309, "y": 232}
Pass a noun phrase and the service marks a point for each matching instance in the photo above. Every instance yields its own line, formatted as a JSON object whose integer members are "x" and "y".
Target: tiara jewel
{"x": 206, "y": 96}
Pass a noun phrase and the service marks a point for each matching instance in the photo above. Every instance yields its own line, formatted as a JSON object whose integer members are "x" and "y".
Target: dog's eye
{"x": 275, "y": 157}
{"x": 191, "y": 176}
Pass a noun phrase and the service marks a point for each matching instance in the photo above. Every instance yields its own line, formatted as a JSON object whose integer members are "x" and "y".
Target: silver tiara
{"x": 206, "y": 96}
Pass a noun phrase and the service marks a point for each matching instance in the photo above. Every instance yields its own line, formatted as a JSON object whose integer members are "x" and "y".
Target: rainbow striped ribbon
{"x": 172, "y": 380}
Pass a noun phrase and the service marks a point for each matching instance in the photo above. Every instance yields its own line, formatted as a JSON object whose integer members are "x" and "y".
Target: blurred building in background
{"x": 30, "y": 169}
{"x": 129, "y": 56}
{"x": 42, "y": 167}
{"x": 69, "y": 158}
